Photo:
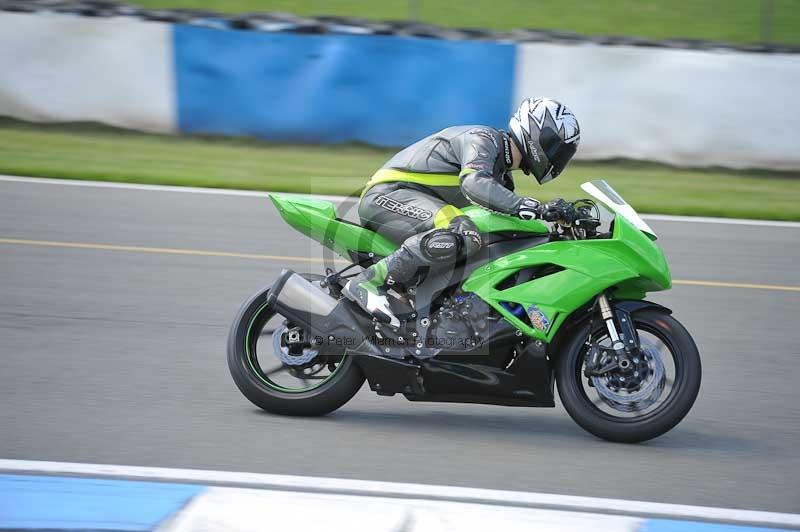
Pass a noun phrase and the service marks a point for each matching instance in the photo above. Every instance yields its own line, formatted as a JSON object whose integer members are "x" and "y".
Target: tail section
{"x": 317, "y": 219}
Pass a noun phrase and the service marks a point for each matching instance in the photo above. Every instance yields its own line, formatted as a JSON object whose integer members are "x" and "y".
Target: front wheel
{"x": 646, "y": 401}
{"x": 280, "y": 380}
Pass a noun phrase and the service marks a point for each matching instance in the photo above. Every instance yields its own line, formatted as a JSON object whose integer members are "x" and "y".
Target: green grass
{"x": 101, "y": 153}
{"x": 738, "y": 21}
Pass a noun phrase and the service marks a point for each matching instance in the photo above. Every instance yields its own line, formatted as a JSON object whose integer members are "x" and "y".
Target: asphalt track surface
{"x": 112, "y": 350}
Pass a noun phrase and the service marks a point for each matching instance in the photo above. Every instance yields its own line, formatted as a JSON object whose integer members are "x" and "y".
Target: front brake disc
{"x": 648, "y": 393}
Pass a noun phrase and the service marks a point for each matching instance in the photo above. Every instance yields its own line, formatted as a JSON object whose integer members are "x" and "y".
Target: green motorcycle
{"x": 538, "y": 305}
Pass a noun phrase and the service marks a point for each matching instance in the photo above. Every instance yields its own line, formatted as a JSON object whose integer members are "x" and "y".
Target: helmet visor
{"x": 557, "y": 151}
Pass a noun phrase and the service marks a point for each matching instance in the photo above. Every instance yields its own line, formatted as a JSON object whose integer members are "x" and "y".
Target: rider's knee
{"x": 460, "y": 239}
{"x": 441, "y": 245}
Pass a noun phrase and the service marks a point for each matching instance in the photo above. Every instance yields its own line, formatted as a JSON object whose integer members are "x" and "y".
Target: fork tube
{"x": 608, "y": 317}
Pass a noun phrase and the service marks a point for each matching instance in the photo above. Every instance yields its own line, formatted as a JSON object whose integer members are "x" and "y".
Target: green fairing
{"x": 317, "y": 219}
{"x": 489, "y": 222}
{"x": 629, "y": 261}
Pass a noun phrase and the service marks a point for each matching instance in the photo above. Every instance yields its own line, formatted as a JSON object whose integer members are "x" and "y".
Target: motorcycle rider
{"x": 416, "y": 197}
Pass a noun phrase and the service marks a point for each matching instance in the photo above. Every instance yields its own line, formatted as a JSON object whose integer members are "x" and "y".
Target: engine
{"x": 465, "y": 321}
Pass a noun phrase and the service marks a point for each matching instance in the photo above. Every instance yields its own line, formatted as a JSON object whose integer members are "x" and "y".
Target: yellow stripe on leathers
{"x": 445, "y": 215}
{"x": 389, "y": 175}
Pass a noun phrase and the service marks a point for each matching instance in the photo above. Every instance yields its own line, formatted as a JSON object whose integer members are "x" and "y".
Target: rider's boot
{"x": 370, "y": 288}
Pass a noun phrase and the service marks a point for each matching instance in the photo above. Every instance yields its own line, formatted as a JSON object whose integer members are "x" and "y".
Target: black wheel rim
{"x": 276, "y": 375}
{"x": 650, "y": 338}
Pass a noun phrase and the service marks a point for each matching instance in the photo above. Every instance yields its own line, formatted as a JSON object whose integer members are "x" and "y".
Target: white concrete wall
{"x": 682, "y": 107}
{"x": 64, "y": 68}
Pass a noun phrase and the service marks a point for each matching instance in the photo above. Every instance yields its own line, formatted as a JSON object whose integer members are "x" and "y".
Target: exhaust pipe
{"x": 327, "y": 321}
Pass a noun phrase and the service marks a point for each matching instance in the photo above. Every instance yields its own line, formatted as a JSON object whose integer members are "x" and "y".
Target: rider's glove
{"x": 529, "y": 209}
{"x": 558, "y": 210}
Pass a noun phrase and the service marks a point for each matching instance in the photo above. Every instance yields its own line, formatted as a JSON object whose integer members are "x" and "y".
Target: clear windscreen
{"x": 602, "y": 192}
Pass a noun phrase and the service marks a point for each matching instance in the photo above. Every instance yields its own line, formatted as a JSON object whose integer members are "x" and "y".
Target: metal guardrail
{"x": 287, "y": 22}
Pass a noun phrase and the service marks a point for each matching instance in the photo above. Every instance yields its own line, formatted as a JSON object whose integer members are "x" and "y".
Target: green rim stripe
{"x": 269, "y": 383}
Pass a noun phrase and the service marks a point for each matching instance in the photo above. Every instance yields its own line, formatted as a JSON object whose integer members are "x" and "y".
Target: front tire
{"x": 254, "y": 382}
{"x": 572, "y": 386}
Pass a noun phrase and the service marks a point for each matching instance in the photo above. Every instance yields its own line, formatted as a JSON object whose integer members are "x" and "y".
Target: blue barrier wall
{"x": 681, "y": 107}
{"x": 382, "y": 90}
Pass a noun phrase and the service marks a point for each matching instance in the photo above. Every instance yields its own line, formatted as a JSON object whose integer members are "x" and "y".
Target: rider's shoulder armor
{"x": 446, "y": 151}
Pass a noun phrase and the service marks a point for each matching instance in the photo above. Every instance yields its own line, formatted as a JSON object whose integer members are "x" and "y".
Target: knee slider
{"x": 441, "y": 245}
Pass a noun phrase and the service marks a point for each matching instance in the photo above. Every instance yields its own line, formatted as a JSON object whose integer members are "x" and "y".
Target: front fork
{"x": 624, "y": 340}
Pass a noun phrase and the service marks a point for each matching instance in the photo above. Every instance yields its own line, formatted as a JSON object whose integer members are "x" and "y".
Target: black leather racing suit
{"x": 416, "y": 196}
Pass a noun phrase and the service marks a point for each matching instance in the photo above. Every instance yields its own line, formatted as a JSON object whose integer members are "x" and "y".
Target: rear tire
{"x": 569, "y": 372}
{"x": 334, "y": 392}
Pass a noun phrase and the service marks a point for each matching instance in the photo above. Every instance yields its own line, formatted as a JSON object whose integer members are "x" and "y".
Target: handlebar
{"x": 581, "y": 218}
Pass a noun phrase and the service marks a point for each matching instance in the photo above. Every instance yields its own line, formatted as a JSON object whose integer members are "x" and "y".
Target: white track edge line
{"x": 712, "y": 220}
{"x": 334, "y": 198}
{"x": 406, "y": 490}
{"x": 158, "y": 188}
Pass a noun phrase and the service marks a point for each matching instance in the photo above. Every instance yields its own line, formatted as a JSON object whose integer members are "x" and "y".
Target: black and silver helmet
{"x": 547, "y": 135}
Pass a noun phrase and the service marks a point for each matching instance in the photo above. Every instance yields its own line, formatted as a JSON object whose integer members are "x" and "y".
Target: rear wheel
{"x": 646, "y": 400}
{"x": 282, "y": 380}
